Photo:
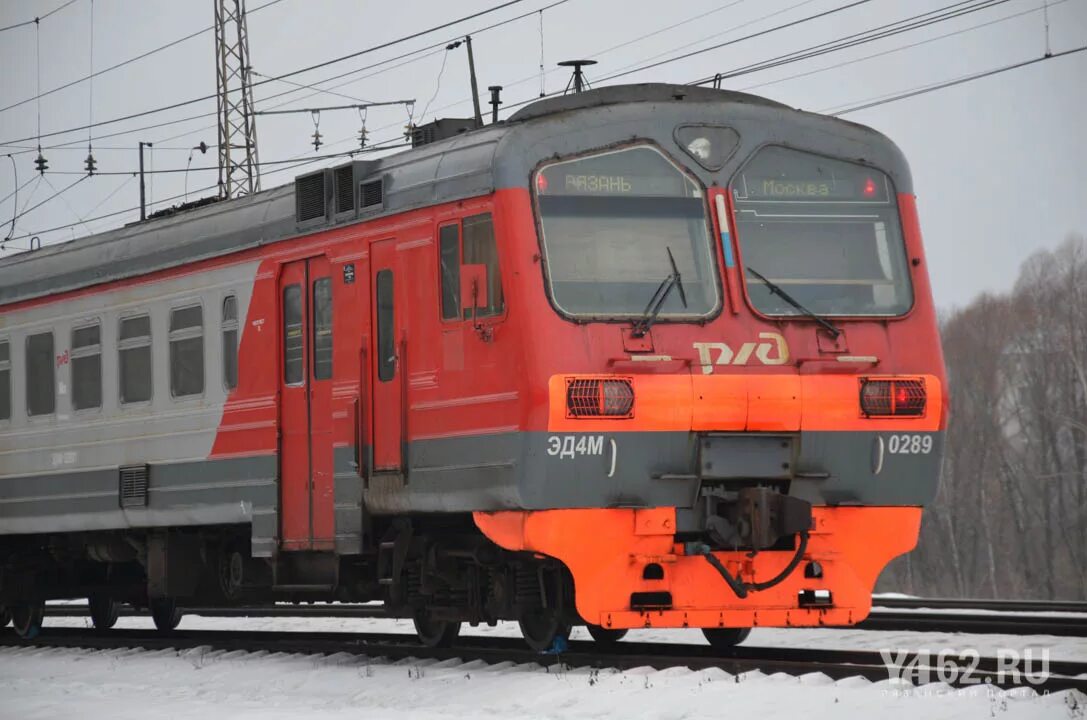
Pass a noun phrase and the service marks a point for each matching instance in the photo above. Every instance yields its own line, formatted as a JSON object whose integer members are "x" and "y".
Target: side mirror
{"x": 473, "y": 288}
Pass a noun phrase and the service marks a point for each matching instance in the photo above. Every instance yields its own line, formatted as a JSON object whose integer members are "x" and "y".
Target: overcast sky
{"x": 999, "y": 164}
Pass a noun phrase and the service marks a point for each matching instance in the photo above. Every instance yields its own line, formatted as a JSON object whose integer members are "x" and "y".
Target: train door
{"x": 388, "y": 365}
{"x": 306, "y": 491}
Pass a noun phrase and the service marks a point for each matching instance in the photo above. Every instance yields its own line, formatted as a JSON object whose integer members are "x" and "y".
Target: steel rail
{"x": 911, "y": 603}
{"x": 835, "y": 664}
{"x": 965, "y": 622}
{"x": 878, "y": 620}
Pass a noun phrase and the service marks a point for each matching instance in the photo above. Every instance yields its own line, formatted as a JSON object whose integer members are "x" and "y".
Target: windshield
{"x": 826, "y": 231}
{"x": 608, "y": 223}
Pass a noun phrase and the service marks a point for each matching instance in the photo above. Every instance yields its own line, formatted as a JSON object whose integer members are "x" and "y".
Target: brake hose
{"x": 742, "y": 588}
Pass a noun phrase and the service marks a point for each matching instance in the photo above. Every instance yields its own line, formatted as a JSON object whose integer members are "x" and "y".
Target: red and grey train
{"x": 642, "y": 356}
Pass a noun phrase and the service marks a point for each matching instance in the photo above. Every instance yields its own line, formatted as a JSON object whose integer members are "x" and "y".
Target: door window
{"x": 386, "y": 342}
{"x": 322, "y": 328}
{"x": 293, "y": 354}
{"x": 230, "y": 342}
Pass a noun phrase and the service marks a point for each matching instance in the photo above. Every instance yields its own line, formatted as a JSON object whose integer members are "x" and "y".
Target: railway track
{"x": 1035, "y": 606}
{"x": 882, "y": 618}
{"x": 835, "y": 664}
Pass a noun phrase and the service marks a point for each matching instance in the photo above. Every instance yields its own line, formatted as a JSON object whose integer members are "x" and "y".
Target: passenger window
{"x": 322, "y": 329}
{"x": 134, "y": 353}
{"x": 386, "y": 342}
{"x": 5, "y": 380}
{"x": 230, "y": 342}
{"x": 480, "y": 249}
{"x": 87, "y": 367}
{"x": 40, "y": 375}
{"x": 449, "y": 257}
{"x": 187, "y": 351}
{"x": 292, "y": 335}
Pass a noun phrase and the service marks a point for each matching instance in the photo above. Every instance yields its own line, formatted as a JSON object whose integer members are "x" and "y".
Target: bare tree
{"x": 1010, "y": 519}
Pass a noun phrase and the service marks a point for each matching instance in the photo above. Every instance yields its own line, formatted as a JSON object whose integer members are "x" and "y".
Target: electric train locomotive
{"x": 642, "y": 356}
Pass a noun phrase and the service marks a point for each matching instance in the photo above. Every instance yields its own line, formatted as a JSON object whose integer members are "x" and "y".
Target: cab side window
{"x": 478, "y": 248}
{"x": 449, "y": 262}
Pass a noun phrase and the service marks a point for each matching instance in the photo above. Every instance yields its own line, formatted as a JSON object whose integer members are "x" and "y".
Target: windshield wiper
{"x": 775, "y": 289}
{"x": 652, "y": 310}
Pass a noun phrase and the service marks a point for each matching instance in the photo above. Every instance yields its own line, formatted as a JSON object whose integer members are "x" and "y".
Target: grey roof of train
{"x": 471, "y": 164}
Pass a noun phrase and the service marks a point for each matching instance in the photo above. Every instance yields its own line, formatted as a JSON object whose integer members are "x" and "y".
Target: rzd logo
{"x": 725, "y": 356}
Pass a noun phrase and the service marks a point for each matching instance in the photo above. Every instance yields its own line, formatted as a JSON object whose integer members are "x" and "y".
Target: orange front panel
{"x": 755, "y": 402}
{"x": 774, "y": 403}
{"x": 720, "y": 402}
{"x": 607, "y": 551}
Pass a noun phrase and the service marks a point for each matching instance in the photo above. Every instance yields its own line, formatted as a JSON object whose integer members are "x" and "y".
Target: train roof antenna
{"x": 577, "y": 80}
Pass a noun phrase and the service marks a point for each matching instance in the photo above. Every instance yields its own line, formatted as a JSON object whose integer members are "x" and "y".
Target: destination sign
{"x": 863, "y": 189}
{"x": 554, "y": 181}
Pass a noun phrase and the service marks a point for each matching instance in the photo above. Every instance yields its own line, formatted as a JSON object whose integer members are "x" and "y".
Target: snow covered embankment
{"x": 40, "y": 683}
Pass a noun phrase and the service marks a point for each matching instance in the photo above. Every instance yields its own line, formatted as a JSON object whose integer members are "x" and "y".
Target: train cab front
{"x": 744, "y": 404}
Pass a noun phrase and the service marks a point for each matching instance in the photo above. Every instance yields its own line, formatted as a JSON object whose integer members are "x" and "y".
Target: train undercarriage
{"x": 438, "y": 570}
{"x": 441, "y": 573}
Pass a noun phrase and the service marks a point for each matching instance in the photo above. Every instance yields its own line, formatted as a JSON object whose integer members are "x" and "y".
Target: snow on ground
{"x": 1059, "y": 648}
{"x": 47, "y": 683}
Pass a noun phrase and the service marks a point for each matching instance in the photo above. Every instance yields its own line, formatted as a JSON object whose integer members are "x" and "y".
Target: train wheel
{"x": 544, "y": 630}
{"x": 5, "y": 616}
{"x": 27, "y": 619}
{"x": 165, "y": 613}
{"x": 605, "y": 636}
{"x": 435, "y": 633}
{"x": 104, "y": 611}
{"x": 725, "y": 638}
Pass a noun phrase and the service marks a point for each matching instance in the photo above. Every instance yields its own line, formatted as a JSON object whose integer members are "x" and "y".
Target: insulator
{"x": 40, "y": 163}
{"x": 362, "y": 138}
{"x": 90, "y": 163}
{"x": 317, "y": 139}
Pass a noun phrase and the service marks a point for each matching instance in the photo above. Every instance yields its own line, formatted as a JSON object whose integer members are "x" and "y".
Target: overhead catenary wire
{"x": 357, "y": 106}
{"x": 15, "y": 204}
{"x": 760, "y": 33}
{"x": 56, "y": 193}
{"x": 932, "y": 17}
{"x": 288, "y": 164}
{"x": 910, "y": 93}
{"x": 38, "y": 19}
{"x": 60, "y": 196}
{"x": 956, "y": 81}
{"x": 422, "y": 53}
{"x": 123, "y": 63}
{"x": 900, "y": 48}
{"x": 292, "y": 73}
{"x": 510, "y": 106}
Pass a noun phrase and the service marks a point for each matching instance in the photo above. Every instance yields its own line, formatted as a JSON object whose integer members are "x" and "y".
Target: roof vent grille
{"x": 344, "y": 180}
{"x": 309, "y": 196}
{"x": 372, "y": 195}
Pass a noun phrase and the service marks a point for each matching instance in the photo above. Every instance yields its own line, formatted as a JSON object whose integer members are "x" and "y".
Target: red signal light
{"x": 541, "y": 183}
{"x": 869, "y": 187}
{"x": 899, "y": 397}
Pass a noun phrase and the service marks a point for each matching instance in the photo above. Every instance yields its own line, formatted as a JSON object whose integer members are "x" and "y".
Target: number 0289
{"x": 909, "y": 444}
